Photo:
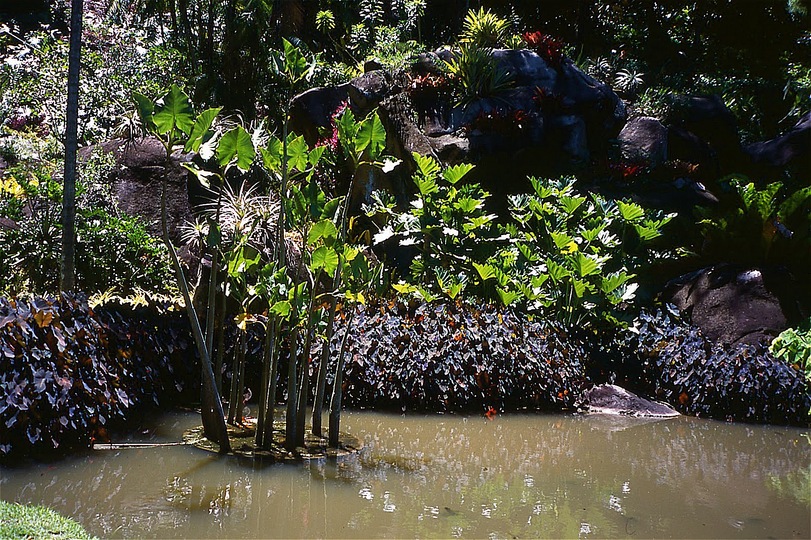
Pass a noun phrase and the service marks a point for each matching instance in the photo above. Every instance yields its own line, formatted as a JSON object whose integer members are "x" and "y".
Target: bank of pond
{"x": 72, "y": 373}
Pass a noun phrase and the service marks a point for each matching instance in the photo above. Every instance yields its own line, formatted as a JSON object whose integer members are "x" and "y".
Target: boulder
{"x": 733, "y": 304}
{"x": 791, "y": 150}
{"x": 612, "y": 399}
{"x": 703, "y": 131}
{"x": 137, "y": 179}
{"x": 555, "y": 120}
{"x": 644, "y": 139}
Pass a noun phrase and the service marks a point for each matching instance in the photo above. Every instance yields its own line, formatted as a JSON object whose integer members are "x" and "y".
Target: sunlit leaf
{"x": 175, "y": 112}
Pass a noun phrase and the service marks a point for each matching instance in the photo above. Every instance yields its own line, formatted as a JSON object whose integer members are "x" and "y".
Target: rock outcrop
{"x": 553, "y": 120}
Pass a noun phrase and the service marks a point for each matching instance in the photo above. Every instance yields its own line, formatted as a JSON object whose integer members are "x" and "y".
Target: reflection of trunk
{"x": 71, "y": 143}
{"x": 337, "y": 387}
{"x": 213, "y": 415}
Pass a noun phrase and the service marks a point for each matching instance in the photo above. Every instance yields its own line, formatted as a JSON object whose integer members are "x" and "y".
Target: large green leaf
{"x": 297, "y": 154}
{"x": 630, "y": 211}
{"x": 371, "y": 135}
{"x": 272, "y": 155}
{"x": 236, "y": 146}
{"x": 146, "y": 109}
{"x": 175, "y": 112}
{"x": 485, "y": 271}
{"x": 324, "y": 258}
{"x": 323, "y": 230}
{"x": 585, "y": 265}
{"x": 427, "y": 166}
{"x": 295, "y": 65}
{"x": 201, "y": 131}
{"x": 457, "y": 172}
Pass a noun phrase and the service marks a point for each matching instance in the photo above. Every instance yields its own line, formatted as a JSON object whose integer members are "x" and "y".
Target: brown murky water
{"x": 515, "y": 476}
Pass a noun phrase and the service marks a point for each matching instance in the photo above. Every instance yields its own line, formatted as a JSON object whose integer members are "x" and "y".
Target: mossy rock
{"x": 243, "y": 444}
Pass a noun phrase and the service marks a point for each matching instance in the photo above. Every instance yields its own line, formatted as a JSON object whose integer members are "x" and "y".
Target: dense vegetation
{"x": 287, "y": 253}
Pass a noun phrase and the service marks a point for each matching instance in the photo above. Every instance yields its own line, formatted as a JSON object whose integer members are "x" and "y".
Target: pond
{"x": 512, "y": 476}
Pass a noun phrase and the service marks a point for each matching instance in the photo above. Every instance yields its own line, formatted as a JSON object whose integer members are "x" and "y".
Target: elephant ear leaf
{"x": 236, "y": 146}
{"x": 146, "y": 109}
{"x": 175, "y": 112}
{"x": 201, "y": 131}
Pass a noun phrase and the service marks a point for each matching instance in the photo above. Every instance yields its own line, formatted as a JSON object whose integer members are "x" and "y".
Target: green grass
{"x": 21, "y": 521}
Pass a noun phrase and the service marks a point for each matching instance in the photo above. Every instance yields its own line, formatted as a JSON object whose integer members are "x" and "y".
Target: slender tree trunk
{"x": 337, "y": 388}
{"x": 321, "y": 382}
{"x": 71, "y": 144}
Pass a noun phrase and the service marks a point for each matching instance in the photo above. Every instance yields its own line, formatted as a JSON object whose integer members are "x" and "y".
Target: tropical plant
{"x": 113, "y": 249}
{"x": 446, "y": 225}
{"x": 484, "y": 29}
{"x": 759, "y": 226}
{"x": 477, "y": 75}
{"x": 793, "y": 346}
{"x": 571, "y": 257}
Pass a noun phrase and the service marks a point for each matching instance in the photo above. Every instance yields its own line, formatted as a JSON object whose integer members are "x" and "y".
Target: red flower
{"x": 547, "y": 47}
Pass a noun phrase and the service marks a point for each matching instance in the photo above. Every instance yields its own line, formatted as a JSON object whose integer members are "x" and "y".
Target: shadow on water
{"x": 450, "y": 476}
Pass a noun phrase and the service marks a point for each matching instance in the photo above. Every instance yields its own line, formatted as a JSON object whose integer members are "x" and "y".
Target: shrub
{"x": 793, "y": 346}
{"x": 458, "y": 357}
{"x": 68, "y": 372}
{"x": 547, "y": 47}
{"x": 113, "y": 249}
{"x": 759, "y": 226}
{"x": 671, "y": 360}
{"x": 477, "y": 75}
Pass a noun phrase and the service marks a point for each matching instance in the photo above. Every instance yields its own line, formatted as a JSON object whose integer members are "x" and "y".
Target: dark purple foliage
{"x": 68, "y": 373}
{"x": 457, "y": 357}
{"x": 674, "y": 362}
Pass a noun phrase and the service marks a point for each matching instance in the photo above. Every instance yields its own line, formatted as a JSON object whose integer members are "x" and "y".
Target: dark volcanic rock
{"x": 562, "y": 119}
{"x": 644, "y": 139}
{"x": 138, "y": 178}
{"x": 790, "y": 150}
{"x": 734, "y": 305}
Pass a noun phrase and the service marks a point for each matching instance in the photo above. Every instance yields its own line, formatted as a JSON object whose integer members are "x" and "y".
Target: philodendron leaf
{"x": 453, "y": 174}
{"x": 324, "y": 258}
{"x": 281, "y": 308}
{"x": 428, "y": 167}
{"x": 585, "y": 265}
{"x": 485, "y": 271}
{"x": 236, "y": 146}
{"x": 507, "y": 297}
{"x": 175, "y": 111}
{"x": 630, "y": 211}
{"x": 201, "y": 131}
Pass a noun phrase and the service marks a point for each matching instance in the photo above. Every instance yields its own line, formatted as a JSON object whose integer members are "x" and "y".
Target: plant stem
{"x": 337, "y": 388}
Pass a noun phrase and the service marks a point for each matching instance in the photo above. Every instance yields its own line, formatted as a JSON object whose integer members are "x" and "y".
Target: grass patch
{"x": 22, "y": 521}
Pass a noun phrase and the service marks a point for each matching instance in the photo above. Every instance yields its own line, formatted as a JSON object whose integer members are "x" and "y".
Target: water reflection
{"x": 448, "y": 476}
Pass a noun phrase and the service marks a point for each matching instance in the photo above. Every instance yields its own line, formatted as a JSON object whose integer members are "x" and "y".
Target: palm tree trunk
{"x": 71, "y": 144}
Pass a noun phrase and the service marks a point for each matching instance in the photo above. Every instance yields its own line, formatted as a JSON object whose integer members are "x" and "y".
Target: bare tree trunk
{"x": 71, "y": 143}
{"x": 337, "y": 387}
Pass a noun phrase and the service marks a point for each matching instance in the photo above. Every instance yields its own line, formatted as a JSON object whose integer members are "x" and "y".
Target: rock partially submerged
{"x": 612, "y": 399}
